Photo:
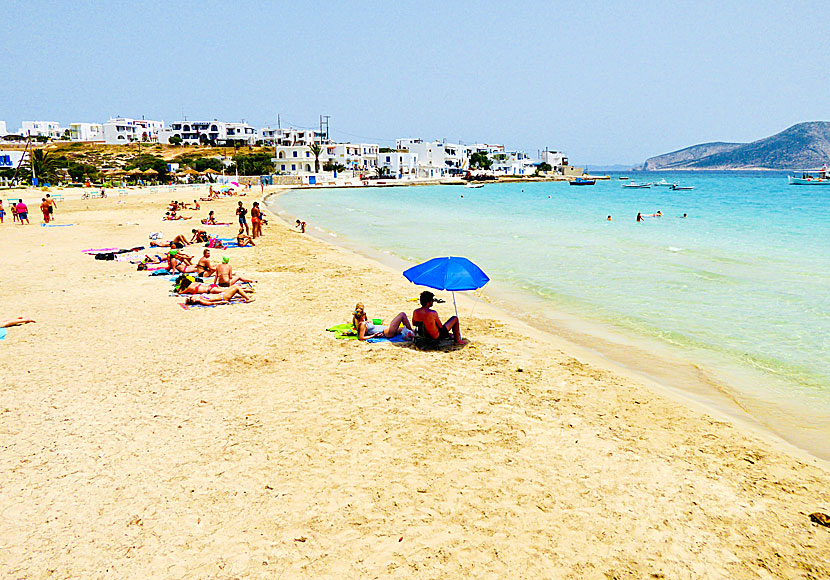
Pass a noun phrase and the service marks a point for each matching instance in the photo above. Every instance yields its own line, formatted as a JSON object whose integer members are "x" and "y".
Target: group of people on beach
{"x": 428, "y": 326}
{"x": 20, "y": 211}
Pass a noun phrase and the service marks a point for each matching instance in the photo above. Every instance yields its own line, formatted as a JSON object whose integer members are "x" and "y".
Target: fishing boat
{"x": 637, "y": 185}
{"x": 676, "y": 187}
{"x": 581, "y": 181}
{"x": 474, "y": 185}
{"x": 821, "y": 177}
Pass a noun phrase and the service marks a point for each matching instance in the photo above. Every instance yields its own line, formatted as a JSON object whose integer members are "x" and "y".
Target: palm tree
{"x": 316, "y": 149}
{"x": 42, "y": 165}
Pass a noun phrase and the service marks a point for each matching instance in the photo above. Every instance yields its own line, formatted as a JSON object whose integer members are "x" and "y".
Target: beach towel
{"x": 192, "y": 306}
{"x": 56, "y": 225}
{"x": 343, "y": 332}
{"x": 100, "y": 250}
{"x": 2, "y": 333}
{"x": 399, "y": 338}
{"x": 160, "y": 272}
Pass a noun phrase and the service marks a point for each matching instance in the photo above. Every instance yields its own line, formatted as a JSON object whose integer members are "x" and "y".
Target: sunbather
{"x": 199, "y": 236}
{"x": 203, "y": 266}
{"x": 177, "y": 262}
{"x": 227, "y": 294}
{"x": 431, "y": 324}
{"x": 178, "y": 242}
{"x": 224, "y": 274}
{"x": 366, "y": 329}
{"x": 209, "y": 220}
{"x": 14, "y": 322}
{"x": 244, "y": 239}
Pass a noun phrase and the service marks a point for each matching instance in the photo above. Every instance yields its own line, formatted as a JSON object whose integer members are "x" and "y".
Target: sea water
{"x": 738, "y": 288}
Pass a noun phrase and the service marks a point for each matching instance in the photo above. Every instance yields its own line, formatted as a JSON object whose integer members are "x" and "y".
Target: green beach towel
{"x": 343, "y": 332}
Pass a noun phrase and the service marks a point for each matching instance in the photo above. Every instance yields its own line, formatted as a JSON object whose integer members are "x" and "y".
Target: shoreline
{"x": 245, "y": 441}
{"x": 668, "y": 369}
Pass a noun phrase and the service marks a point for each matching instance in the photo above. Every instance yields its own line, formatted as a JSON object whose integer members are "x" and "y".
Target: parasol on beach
{"x": 189, "y": 171}
{"x": 451, "y": 273}
{"x": 210, "y": 171}
{"x": 151, "y": 171}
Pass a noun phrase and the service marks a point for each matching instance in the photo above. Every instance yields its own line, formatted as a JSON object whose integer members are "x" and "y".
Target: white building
{"x": 289, "y": 137}
{"x": 203, "y": 132}
{"x": 121, "y": 130}
{"x": 11, "y": 158}
{"x": 295, "y": 159}
{"x": 356, "y": 156}
{"x": 513, "y": 163}
{"x": 437, "y": 158}
{"x": 48, "y": 129}
{"x": 399, "y": 163}
{"x": 554, "y": 158}
{"x": 92, "y": 132}
{"x": 3, "y": 131}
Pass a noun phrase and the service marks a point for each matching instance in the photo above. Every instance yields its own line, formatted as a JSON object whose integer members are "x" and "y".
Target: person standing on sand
{"x": 14, "y": 211}
{"x": 52, "y": 203}
{"x": 44, "y": 208}
{"x": 22, "y": 212}
{"x": 256, "y": 220}
{"x": 2, "y": 211}
{"x": 243, "y": 222}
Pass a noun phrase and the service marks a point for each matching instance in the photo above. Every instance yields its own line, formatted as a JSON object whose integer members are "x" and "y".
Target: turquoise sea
{"x": 733, "y": 299}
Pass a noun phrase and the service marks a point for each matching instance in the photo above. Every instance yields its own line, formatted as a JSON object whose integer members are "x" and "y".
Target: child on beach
{"x": 2, "y": 211}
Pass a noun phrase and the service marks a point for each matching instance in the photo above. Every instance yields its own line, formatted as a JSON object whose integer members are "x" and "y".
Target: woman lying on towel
{"x": 179, "y": 262}
{"x": 366, "y": 329}
{"x": 211, "y": 300}
{"x": 178, "y": 242}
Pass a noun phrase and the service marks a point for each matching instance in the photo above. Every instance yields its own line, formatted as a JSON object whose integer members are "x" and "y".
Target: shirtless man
{"x": 203, "y": 266}
{"x": 52, "y": 203}
{"x": 44, "y": 208}
{"x": 178, "y": 242}
{"x": 200, "y": 236}
{"x": 224, "y": 274}
{"x": 432, "y": 324}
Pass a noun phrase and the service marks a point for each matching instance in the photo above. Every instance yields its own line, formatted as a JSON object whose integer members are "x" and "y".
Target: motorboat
{"x": 821, "y": 177}
{"x": 582, "y": 181}
{"x": 663, "y": 183}
{"x": 637, "y": 185}
{"x": 474, "y": 186}
{"x": 623, "y": 177}
{"x": 676, "y": 187}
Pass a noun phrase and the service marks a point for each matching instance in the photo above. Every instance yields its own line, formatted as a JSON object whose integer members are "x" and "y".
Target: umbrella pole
{"x": 454, "y": 305}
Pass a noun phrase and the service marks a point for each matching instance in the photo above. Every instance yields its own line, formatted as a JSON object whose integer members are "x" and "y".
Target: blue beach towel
{"x": 56, "y": 225}
{"x": 397, "y": 338}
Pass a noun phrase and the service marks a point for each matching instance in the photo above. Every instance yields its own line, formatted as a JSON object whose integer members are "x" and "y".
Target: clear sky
{"x": 606, "y": 82}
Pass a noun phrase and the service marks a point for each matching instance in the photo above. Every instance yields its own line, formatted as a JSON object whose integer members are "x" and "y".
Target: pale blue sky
{"x": 605, "y": 82}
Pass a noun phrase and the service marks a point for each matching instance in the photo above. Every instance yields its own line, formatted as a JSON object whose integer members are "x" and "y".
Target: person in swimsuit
{"x": 14, "y": 322}
{"x": 52, "y": 203}
{"x": 243, "y": 221}
{"x": 2, "y": 211}
{"x": 44, "y": 208}
{"x": 224, "y": 274}
{"x": 203, "y": 266}
{"x": 14, "y": 211}
{"x": 199, "y": 236}
{"x": 213, "y": 299}
{"x": 178, "y": 243}
{"x": 256, "y": 220}
{"x": 367, "y": 329}
{"x": 179, "y": 263}
{"x": 209, "y": 220}
{"x": 244, "y": 239}
{"x": 428, "y": 319}
{"x": 639, "y": 217}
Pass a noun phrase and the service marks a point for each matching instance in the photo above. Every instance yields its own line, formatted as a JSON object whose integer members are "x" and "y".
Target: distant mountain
{"x": 802, "y": 146}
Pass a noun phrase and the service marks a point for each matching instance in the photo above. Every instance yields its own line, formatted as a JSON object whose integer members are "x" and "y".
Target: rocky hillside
{"x": 802, "y": 146}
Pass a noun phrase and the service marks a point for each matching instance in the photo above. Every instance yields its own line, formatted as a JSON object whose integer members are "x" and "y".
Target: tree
{"x": 544, "y": 167}
{"x": 316, "y": 149}
{"x": 42, "y": 165}
{"x": 480, "y": 160}
{"x": 382, "y": 170}
{"x": 175, "y": 140}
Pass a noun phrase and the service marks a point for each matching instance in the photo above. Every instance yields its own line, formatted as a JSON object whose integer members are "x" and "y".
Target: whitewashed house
{"x": 513, "y": 163}
{"x": 399, "y": 163}
{"x": 202, "y": 132}
{"x": 88, "y": 132}
{"x": 289, "y": 137}
{"x": 554, "y": 158}
{"x": 295, "y": 159}
{"x": 122, "y": 130}
{"x": 3, "y": 131}
{"x": 48, "y": 129}
{"x": 437, "y": 158}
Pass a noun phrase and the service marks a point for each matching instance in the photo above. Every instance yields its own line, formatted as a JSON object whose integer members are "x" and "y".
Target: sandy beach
{"x": 244, "y": 441}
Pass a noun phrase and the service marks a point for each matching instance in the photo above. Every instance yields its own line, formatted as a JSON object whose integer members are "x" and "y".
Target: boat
{"x": 623, "y": 177}
{"x": 663, "y": 183}
{"x": 821, "y": 177}
{"x": 474, "y": 185}
{"x": 676, "y": 187}
{"x": 581, "y": 181}
{"x": 637, "y": 185}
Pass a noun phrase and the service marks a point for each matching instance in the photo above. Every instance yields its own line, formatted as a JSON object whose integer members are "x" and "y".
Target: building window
{"x": 295, "y": 153}
{"x": 293, "y": 167}
{"x": 282, "y": 167}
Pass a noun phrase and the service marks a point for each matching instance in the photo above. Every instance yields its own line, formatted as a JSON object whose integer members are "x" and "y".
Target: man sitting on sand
{"x": 203, "y": 266}
{"x": 224, "y": 274}
{"x": 430, "y": 325}
{"x": 199, "y": 236}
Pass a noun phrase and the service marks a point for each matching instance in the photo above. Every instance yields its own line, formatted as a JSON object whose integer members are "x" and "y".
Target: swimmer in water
{"x": 639, "y": 217}
{"x": 608, "y": 218}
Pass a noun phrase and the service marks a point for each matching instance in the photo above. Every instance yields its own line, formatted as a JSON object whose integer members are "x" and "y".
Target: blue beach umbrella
{"x": 452, "y": 273}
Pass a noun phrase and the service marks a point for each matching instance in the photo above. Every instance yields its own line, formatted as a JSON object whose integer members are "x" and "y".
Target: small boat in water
{"x": 637, "y": 185}
{"x": 676, "y": 187}
{"x": 623, "y": 177}
{"x": 821, "y": 177}
{"x": 474, "y": 185}
{"x": 663, "y": 183}
{"x": 581, "y": 181}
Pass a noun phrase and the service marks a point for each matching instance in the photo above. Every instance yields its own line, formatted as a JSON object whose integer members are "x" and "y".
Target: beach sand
{"x": 244, "y": 441}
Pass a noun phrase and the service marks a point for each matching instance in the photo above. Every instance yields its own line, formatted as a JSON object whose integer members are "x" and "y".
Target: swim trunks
{"x": 23, "y": 215}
